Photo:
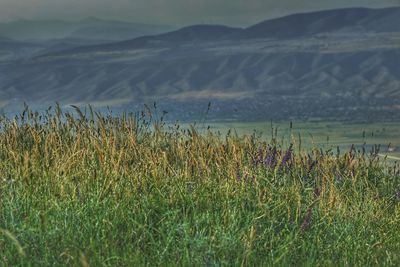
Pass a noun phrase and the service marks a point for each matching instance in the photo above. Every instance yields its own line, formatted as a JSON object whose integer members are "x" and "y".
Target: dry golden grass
{"x": 92, "y": 189}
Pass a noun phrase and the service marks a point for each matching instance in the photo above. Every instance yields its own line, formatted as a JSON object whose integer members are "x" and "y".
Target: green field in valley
{"x": 321, "y": 134}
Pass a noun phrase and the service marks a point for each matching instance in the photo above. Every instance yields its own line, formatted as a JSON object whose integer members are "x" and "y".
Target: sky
{"x": 173, "y": 12}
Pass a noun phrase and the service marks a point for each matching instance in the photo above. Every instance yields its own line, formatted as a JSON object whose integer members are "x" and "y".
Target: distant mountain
{"x": 92, "y": 28}
{"x": 330, "y": 63}
{"x": 65, "y": 44}
{"x": 14, "y": 50}
{"x": 97, "y": 29}
{"x": 11, "y": 49}
{"x": 350, "y": 20}
{"x": 190, "y": 34}
{"x": 308, "y": 24}
{"x": 23, "y": 30}
{"x": 197, "y": 33}
{"x": 4, "y": 39}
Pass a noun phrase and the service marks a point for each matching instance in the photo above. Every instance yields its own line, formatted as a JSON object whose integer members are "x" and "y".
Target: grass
{"x": 98, "y": 190}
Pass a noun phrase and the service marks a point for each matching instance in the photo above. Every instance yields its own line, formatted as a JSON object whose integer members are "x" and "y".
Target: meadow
{"x": 321, "y": 133}
{"x": 86, "y": 189}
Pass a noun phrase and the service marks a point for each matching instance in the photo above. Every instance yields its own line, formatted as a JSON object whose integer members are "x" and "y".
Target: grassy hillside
{"x": 127, "y": 191}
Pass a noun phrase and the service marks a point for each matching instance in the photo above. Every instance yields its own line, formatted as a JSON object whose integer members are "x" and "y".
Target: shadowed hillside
{"x": 308, "y": 24}
{"x": 345, "y": 59}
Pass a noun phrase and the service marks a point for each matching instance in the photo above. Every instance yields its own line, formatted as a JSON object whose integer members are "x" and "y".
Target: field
{"x": 322, "y": 134}
{"x": 97, "y": 190}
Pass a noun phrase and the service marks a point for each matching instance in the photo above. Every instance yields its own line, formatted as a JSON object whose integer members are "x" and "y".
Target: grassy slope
{"x": 113, "y": 192}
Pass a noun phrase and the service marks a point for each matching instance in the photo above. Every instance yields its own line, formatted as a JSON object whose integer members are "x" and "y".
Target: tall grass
{"x": 81, "y": 188}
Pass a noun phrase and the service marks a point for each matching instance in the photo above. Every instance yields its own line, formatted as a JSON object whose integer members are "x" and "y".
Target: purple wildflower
{"x": 287, "y": 158}
{"x": 271, "y": 159}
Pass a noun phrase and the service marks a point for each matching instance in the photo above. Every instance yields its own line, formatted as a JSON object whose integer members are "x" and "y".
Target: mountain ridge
{"x": 311, "y": 23}
{"x": 287, "y": 27}
{"x": 28, "y": 30}
{"x": 319, "y": 72}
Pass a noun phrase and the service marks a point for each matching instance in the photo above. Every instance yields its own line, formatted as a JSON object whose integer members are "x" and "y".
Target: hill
{"x": 329, "y": 21}
{"x": 91, "y": 28}
{"x": 11, "y": 49}
{"x": 324, "y": 66}
{"x": 190, "y": 34}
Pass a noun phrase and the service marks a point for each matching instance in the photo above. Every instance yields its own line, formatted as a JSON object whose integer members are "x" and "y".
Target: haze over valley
{"x": 335, "y": 63}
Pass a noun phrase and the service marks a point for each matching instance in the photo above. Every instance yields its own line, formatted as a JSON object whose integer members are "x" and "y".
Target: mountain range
{"x": 335, "y": 63}
{"x": 27, "y": 38}
{"x": 90, "y": 28}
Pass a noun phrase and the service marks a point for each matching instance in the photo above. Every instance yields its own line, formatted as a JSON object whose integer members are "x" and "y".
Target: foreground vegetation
{"x": 96, "y": 190}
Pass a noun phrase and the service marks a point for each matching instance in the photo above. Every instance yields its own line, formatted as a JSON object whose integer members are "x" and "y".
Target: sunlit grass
{"x": 92, "y": 189}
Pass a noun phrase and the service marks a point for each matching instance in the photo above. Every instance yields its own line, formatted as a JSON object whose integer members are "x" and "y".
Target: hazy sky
{"x": 172, "y": 12}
